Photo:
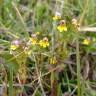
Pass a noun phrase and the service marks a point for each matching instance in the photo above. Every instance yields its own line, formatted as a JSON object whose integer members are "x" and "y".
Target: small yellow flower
{"x": 53, "y": 60}
{"x": 15, "y": 44}
{"x": 13, "y": 47}
{"x": 44, "y": 43}
{"x": 34, "y": 41}
{"x": 57, "y": 16}
{"x": 62, "y": 28}
{"x": 38, "y": 33}
{"x": 86, "y": 41}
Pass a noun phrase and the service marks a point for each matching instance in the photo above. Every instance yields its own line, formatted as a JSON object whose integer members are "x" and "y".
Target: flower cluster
{"x": 33, "y": 40}
{"x": 43, "y": 43}
{"x": 62, "y": 24}
{"x": 62, "y": 27}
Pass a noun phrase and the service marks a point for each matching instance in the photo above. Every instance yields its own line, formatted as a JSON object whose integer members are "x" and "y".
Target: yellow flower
{"x": 15, "y": 44}
{"x": 13, "y": 47}
{"x": 44, "y": 43}
{"x": 86, "y": 42}
{"x": 34, "y": 41}
{"x": 57, "y": 16}
{"x": 38, "y": 33}
{"x": 53, "y": 60}
{"x": 62, "y": 28}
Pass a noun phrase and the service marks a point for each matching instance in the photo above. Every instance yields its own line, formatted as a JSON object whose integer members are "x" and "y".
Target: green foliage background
{"x": 19, "y": 19}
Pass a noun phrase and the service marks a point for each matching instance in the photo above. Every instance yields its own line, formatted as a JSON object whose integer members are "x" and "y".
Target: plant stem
{"x": 78, "y": 65}
{"x": 11, "y": 82}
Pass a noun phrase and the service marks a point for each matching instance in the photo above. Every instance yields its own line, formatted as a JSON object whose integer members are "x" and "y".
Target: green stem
{"x": 11, "y": 81}
{"x": 53, "y": 37}
{"x": 78, "y": 65}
